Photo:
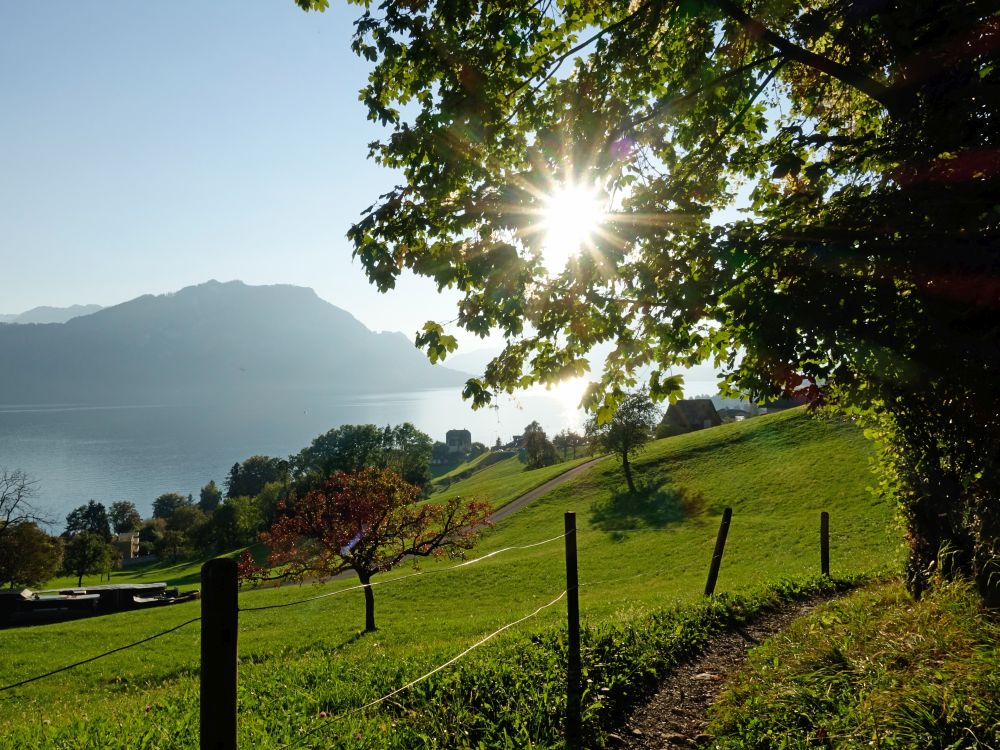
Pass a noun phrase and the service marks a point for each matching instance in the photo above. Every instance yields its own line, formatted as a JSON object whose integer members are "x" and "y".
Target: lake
{"x": 108, "y": 453}
{"x": 78, "y": 453}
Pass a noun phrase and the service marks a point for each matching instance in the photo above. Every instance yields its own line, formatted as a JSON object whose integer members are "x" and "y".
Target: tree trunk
{"x": 628, "y": 473}
{"x": 366, "y": 578}
{"x": 79, "y": 581}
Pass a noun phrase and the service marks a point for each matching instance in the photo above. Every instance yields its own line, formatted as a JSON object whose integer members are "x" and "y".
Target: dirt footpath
{"x": 676, "y": 716}
{"x": 529, "y": 497}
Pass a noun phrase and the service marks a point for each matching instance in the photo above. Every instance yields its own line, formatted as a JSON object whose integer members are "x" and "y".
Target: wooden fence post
{"x": 824, "y": 543}
{"x": 573, "y": 728}
{"x": 219, "y": 626}
{"x": 720, "y": 546}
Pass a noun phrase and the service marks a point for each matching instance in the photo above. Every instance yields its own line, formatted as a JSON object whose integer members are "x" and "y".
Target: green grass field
{"x": 875, "y": 669}
{"x": 185, "y": 573}
{"x": 639, "y": 557}
{"x": 499, "y": 483}
{"x": 505, "y": 480}
{"x": 461, "y": 468}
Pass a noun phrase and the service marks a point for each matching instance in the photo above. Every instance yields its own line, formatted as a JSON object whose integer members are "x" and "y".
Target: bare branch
{"x": 17, "y": 490}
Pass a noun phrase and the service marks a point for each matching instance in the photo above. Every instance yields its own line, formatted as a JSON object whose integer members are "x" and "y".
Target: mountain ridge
{"x": 49, "y": 314}
{"x": 211, "y": 341}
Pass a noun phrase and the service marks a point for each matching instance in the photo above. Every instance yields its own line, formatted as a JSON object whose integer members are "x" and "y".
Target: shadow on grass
{"x": 655, "y": 505}
{"x": 188, "y": 580}
{"x": 264, "y": 657}
{"x": 694, "y": 451}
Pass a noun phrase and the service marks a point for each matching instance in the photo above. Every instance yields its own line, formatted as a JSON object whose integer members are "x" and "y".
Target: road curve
{"x": 543, "y": 489}
{"x": 498, "y": 515}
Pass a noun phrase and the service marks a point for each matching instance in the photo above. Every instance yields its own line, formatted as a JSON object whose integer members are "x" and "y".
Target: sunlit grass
{"x": 776, "y": 472}
{"x": 506, "y": 480}
{"x": 873, "y": 670}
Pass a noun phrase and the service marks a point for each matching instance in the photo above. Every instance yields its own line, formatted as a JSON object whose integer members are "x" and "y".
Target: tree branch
{"x": 671, "y": 100}
{"x": 732, "y": 123}
{"x": 551, "y": 66}
{"x": 843, "y": 73}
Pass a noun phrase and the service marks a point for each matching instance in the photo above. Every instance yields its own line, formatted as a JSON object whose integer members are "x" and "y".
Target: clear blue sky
{"x": 149, "y": 146}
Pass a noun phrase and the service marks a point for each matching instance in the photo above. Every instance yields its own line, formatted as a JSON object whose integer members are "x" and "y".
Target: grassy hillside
{"x": 465, "y": 466}
{"x": 506, "y": 480}
{"x": 875, "y": 669}
{"x": 185, "y": 573}
{"x": 637, "y": 557}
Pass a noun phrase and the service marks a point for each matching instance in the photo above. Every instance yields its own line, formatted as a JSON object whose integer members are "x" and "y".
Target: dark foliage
{"x": 92, "y": 517}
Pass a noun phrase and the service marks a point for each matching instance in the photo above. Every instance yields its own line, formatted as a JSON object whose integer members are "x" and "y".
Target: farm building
{"x": 127, "y": 544}
{"x": 734, "y": 415}
{"x": 458, "y": 441}
{"x": 688, "y": 415}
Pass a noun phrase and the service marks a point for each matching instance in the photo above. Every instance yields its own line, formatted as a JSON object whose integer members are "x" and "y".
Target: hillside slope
{"x": 637, "y": 557}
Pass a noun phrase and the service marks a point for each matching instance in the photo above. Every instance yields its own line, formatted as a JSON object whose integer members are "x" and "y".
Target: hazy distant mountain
{"x": 209, "y": 342}
{"x": 47, "y": 314}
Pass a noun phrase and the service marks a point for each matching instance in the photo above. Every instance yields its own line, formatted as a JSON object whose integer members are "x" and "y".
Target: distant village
{"x": 682, "y": 416}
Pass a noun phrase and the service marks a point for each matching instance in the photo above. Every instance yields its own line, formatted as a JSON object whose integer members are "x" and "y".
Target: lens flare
{"x": 571, "y": 217}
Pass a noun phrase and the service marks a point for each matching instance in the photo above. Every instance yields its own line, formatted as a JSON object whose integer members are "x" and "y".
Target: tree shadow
{"x": 655, "y": 505}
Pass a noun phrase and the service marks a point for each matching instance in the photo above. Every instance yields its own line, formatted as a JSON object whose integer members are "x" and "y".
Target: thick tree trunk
{"x": 366, "y": 578}
{"x": 628, "y": 473}
{"x": 79, "y": 581}
{"x": 940, "y": 541}
{"x": 986, "y": 551}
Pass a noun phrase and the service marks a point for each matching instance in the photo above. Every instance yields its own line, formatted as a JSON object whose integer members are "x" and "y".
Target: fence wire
{"x": 463, "y": 564}
{"x": 359, "y": 586}
{"x": 622, "y": 578}
{"x": 99, "y": 656}
{"x": 331, "y": 720}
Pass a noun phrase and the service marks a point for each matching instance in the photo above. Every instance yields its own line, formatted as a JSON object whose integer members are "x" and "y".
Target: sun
{"x": 571, "y": 217}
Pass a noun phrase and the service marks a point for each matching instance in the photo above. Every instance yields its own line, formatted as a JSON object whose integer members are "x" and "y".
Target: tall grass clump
{"x": 875, "y": 670}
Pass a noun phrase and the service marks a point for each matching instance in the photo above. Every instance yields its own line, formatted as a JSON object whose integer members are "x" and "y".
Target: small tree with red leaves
{"x": 367, "y": 521}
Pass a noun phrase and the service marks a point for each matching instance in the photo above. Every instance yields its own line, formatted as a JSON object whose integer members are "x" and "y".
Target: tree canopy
{"x": 209, "y": 497}
{"x": 92, "y": 517}
{"x": 862, "y": 138}
{"x": 124, "y": 516}
{"x": 627, "y": 431}
{"x": 351, "y": 447}
{"x": 249, "y": 477}
{"x": 166, "y": 504}
{"x": 85, "y": 552}
{"x": 28, "y": 556}
{"x": 367, "y": 521}
{"x": 538, "y": 450}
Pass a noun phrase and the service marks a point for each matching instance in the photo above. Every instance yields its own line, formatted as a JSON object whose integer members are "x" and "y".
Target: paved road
{"x": 529, "y": 497}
